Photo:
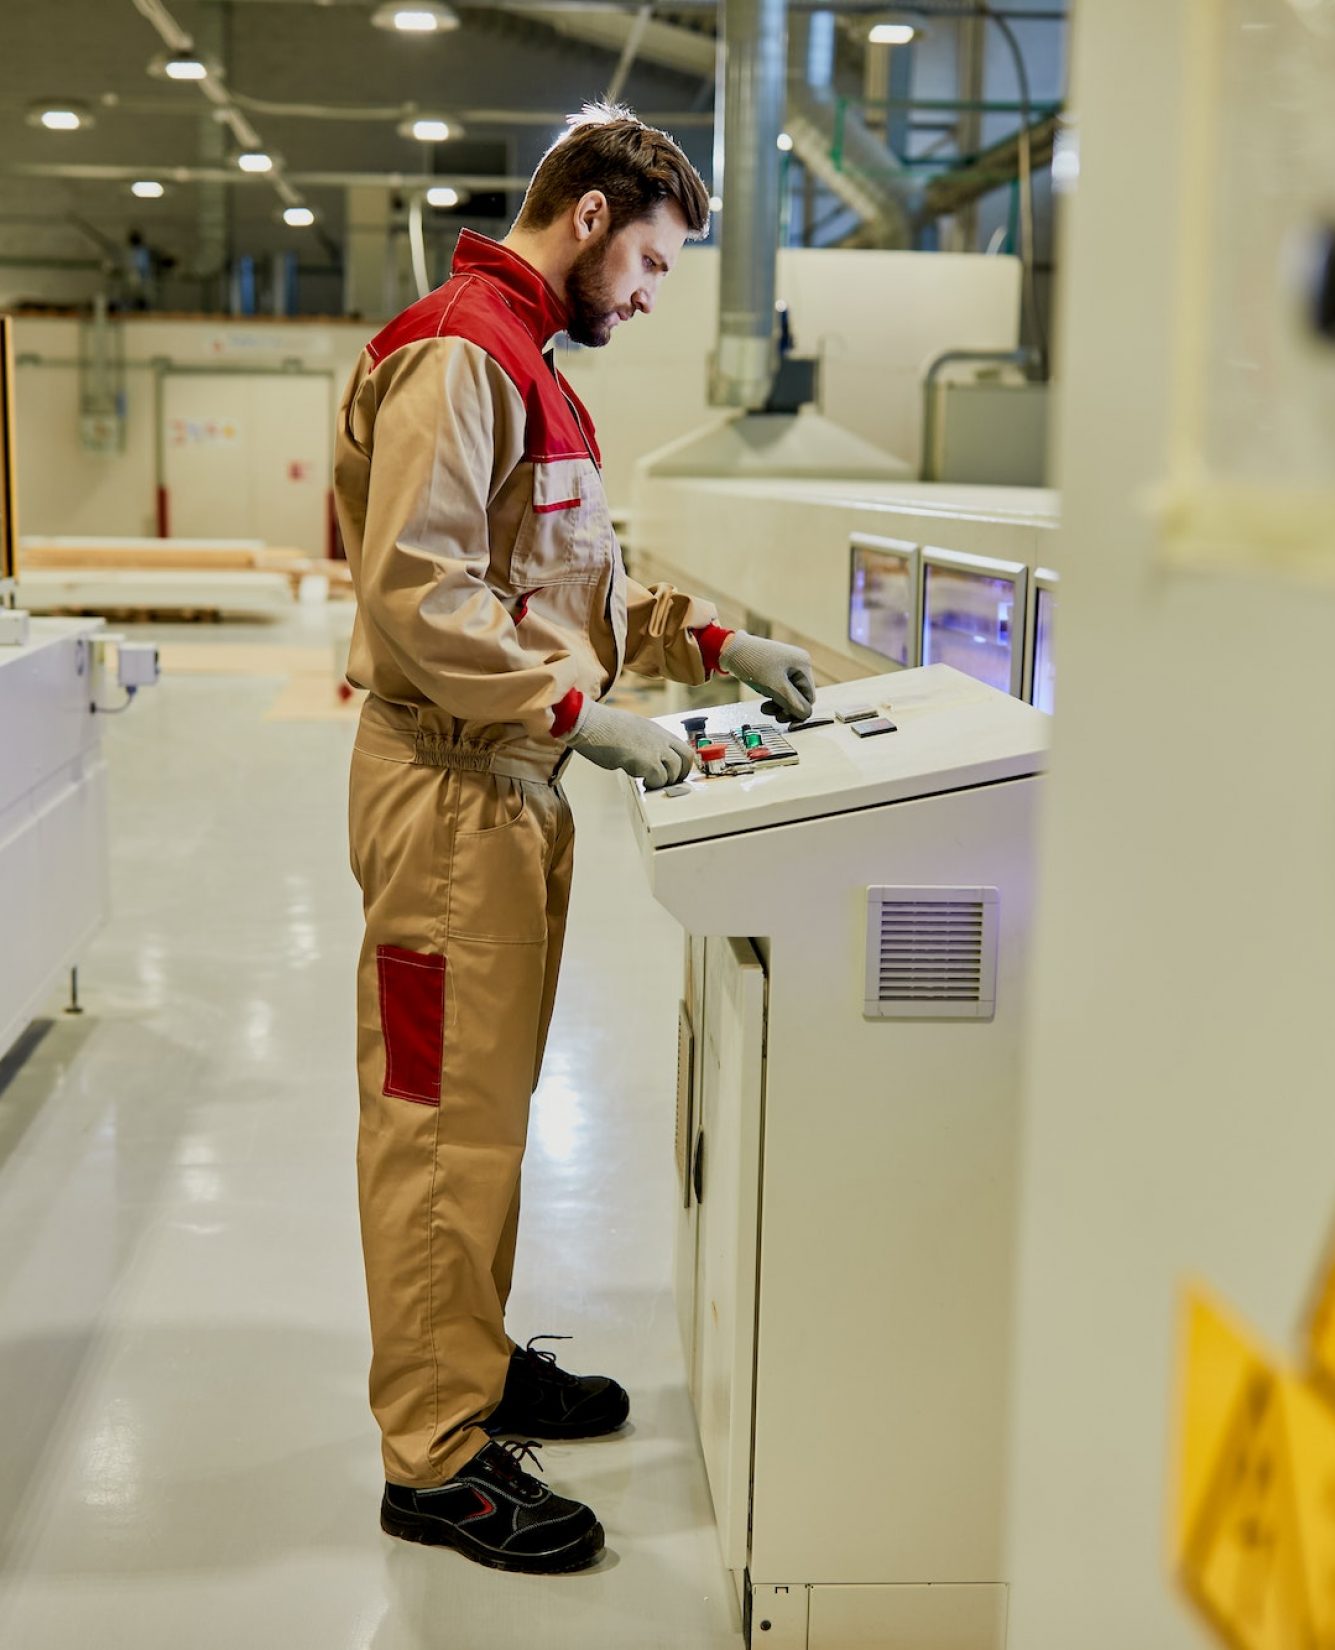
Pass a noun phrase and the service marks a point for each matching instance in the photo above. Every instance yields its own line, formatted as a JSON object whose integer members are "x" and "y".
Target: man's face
{"x": 618, "y": 274}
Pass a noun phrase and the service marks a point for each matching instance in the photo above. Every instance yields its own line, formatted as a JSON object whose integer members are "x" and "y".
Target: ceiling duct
{"x": 752, "y": 75}
{"x": 757, "y": 439}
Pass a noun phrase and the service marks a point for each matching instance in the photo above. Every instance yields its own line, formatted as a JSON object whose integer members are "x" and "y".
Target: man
{"x": 493, "y": 617}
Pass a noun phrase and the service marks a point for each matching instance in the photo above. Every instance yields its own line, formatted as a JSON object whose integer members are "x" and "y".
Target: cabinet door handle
{"x": 698, "y": 1168}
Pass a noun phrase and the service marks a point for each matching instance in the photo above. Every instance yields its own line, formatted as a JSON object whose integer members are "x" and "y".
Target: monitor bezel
{"x": 990, "y": 567}
{"x": 1044, "y": 578}
{"x": 902, "y": 550}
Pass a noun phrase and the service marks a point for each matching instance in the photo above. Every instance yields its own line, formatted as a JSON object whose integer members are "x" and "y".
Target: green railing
{"x": 1036, "y": 111}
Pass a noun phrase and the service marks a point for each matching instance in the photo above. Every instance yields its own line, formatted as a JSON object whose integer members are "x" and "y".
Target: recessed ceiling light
{"x": 443, "y": 195}
{"x": 298, "y": 217}
{"x": 60, "y": 117}
{"x": 784, "y": 142}
{"x": 430, "y": 128}
{"x": 892, "y": 34}
{"x": 415, "y": 17}
{"x": 254, "y": 160}
{"x": 147, "y": 190}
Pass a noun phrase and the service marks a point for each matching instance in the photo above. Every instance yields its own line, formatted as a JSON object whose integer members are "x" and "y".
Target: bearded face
{"x": 593, "y": 309}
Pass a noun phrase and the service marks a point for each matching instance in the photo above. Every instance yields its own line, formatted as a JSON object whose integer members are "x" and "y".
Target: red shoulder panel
{"x": 470, "y": 307}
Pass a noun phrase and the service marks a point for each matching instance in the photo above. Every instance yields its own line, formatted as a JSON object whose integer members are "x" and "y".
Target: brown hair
{"x": 637, "y": 167}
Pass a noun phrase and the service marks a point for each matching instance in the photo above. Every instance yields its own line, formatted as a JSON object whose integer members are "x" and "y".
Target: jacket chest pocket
{"x": 565, "y": 536}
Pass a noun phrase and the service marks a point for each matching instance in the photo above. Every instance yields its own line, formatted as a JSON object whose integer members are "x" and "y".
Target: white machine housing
{"x": 848, "y": 1179}
{"x": 53, "y": 814}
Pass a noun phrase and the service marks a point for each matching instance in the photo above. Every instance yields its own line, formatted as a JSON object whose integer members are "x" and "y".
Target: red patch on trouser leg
{"x": 412, "y": 1022}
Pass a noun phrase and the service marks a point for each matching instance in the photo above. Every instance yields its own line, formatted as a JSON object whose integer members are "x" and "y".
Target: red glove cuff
{"x": 712, "y": 639}
{"x": 565, "y": 713}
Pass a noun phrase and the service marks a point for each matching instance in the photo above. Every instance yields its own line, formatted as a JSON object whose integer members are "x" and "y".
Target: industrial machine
{"x": 58, "y": 679}
{"x": 857, "y": 927}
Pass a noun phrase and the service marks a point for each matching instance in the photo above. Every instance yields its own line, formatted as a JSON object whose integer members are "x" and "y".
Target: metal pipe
{"x": 628, "y": 53}
{"x": 751, "y": 84}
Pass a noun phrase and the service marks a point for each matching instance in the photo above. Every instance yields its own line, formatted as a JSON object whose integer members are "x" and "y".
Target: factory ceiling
{"x": 330, "y": 96}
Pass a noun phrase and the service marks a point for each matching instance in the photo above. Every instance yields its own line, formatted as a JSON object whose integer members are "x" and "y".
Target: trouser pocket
{"x": 412, "y": 1022}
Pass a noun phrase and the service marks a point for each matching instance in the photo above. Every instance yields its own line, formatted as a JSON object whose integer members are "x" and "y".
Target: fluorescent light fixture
{"x": 430, "y": 128}
{"x": 784, "y": 141}
{"x": 443, "y": 195}
{"x": 254, "y": 160}
{"x": 415, "y": 17}
{"x": 184, "y": 66}
{"x": 147, "y": 190}
{"x": 298, "y": 217}
{"x": 892, "y": 34}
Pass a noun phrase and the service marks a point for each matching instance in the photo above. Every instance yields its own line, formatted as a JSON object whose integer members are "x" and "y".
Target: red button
{"x": 712, "y": 753}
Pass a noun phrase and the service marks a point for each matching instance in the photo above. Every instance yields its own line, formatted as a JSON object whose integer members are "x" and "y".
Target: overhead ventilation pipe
{"x": 752, "y": 65}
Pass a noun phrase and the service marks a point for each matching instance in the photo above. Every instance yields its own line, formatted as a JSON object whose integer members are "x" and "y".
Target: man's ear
{"x": 592, "y": 216}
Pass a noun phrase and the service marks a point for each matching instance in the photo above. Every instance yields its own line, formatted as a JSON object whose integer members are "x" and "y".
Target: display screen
{"x": 968, "y": 622}
{"x": 1045, "y": 671}
{"x": 881, "y": 602}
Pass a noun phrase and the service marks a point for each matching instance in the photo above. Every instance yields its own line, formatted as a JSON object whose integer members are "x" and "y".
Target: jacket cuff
{"x": 565, "y": 713}
{"x": 712, "y": 639}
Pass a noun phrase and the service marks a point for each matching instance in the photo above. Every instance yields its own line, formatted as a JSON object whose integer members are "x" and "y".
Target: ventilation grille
{"x": 931, "y": 953}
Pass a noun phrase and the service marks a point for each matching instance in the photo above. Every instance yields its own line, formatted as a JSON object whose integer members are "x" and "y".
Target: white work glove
{"x": 620, "y": 739}
{"x": 774, "y": 668}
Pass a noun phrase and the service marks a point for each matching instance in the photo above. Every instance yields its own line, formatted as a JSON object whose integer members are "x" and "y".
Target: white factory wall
{"x": 1179, "y": 1117}
{"x": 876, "y": 319}
{"x": 66, "y": 489}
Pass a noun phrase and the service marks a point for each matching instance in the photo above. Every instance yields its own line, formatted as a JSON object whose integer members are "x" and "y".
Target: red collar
{"x": 523, "y": 288}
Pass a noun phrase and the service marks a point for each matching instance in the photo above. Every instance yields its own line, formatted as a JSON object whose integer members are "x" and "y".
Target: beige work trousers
{"x": 465, "y": 877}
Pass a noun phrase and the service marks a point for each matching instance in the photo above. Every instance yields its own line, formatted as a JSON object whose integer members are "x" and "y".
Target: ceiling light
{"x": 443, "y": 195}
{"x": 298, "y": 217}
{"x": 784, "y": 142}
{"x": 60, "y": 117}
{"x": 430, "y": 128}
{"x": 716, "y": 203}
{"x": 892, "y": 34}
{"x": 147, "y": 190}
{"x": 184, "y": 66}
{"x": 415, "y": 17}
{"x": 254, "y": 160}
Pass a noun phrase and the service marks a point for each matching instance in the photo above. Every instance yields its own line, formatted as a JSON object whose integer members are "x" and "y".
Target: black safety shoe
{"x": 542, "y": 1400}
{"x": 494, "y": 1512}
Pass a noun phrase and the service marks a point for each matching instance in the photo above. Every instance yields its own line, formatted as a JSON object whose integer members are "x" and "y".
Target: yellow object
{"x": 1255, "y": 1520}
{"x": 1321, "y": 1331}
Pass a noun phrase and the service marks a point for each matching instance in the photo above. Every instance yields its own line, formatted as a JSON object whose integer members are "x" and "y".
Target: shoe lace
{"x": 554, "y": 1371}
{"x": 518, "y": 1452}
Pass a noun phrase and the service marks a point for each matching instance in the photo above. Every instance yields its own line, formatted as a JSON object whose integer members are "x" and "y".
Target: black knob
{"x": 695, "y": 725}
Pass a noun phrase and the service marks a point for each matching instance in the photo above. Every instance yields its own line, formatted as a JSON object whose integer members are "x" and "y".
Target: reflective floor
{"x": 186, "y": 1456}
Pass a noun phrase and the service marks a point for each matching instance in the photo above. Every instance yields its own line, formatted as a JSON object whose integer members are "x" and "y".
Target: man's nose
{"x": 644, "y": 300}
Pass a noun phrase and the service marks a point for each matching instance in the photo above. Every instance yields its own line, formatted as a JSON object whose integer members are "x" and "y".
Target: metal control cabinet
{"x": 848, "y": 1177}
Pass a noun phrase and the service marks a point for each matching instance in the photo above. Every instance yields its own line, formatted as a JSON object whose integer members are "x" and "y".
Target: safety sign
{"x": 1254, "y": 1530}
